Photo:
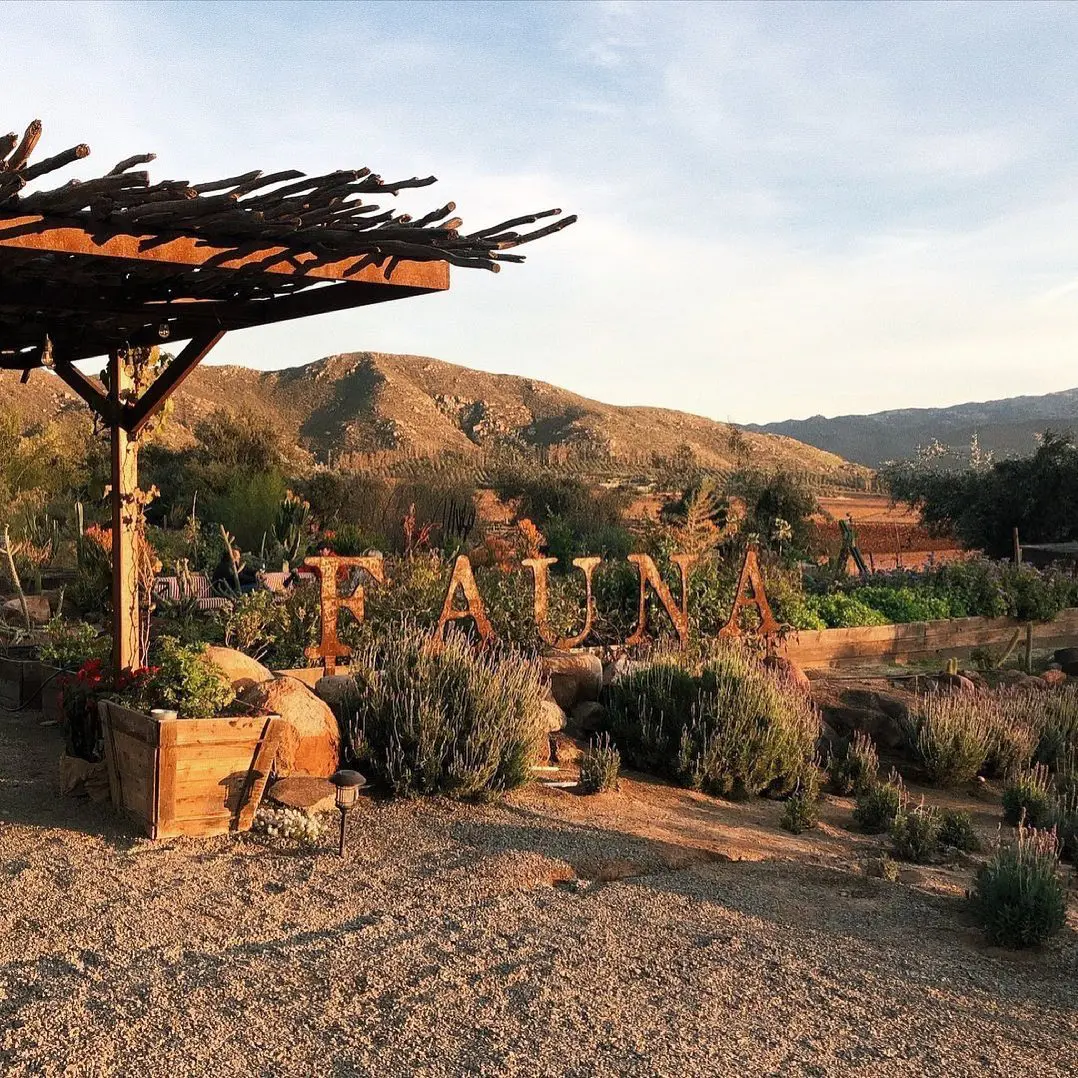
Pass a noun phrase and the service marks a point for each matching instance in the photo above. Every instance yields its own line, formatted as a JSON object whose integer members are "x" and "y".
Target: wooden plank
{"x": 36, "y": 233}
{"x": 258, "y": 772}
{"x": 165, "y": 801}
{"x": 124, "y": 455}
{"x": 135, "y": 418}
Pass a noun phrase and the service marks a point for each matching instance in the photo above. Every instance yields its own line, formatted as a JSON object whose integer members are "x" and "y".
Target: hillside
{"x": 372, "y": 402}
{"x": 1006, "y": 427}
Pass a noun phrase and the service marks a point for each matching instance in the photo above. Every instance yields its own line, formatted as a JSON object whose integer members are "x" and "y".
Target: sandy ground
{"x": 552, "y": 935}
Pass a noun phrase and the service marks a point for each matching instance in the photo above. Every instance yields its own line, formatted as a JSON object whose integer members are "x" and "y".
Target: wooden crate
{"x": 188, "y": 776}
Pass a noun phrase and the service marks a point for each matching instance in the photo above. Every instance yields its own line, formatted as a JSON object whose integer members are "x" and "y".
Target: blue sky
{"x": 785, "y": 209}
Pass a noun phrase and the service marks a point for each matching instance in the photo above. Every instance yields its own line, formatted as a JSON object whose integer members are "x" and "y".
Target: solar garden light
{"x": 348, "y": 785}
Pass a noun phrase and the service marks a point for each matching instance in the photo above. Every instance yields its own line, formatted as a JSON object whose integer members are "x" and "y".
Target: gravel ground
{"x": 491, "y": 940}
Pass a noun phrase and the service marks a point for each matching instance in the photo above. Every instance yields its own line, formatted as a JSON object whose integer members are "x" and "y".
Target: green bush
{"x": 1018, "y": 897}
{"x": 951, "y": 737}
{"x": 69, "y": 644}
{"x": 915, "y": 834}
{"x": 182, "y": 678}
{"x": 599, "y": 766}
{"x": 841, "y": 611}
{"x": 801, "y": 811}
{"x": 1013, "y": 737}
{"x": 855, "y": 767}
{"x": 1057, "y": 725}
{"x": 726, "y": 727}
{"x": 956, "y": 831}
{"x": 444, "y": 719}
{"x": 875, "y": 809}
{"x": 1028, "y": 796}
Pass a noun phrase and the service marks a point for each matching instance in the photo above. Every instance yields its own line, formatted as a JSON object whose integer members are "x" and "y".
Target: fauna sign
{"x": 750, "y": 593}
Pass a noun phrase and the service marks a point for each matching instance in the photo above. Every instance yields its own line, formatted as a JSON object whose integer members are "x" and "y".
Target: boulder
{"x": 588, "y": 716}
{"x": 309, "y": 795}
{"x": 955, "y": 684}
{"x": 787, "y": 670}
{"x": 574, "y": 676}
{"x": 241, "y": 670}
{"x": 340, "y": 691}
{"x": 37, "y": 606}
{"x": 564, "y": 750}
{"x": 1067, "y": 659}
{"x": 311, "y": 744}
{"x": 615, "y": 668}
{"x": 1053, "y": 677}
{"x": 863, "y": 711}
{"x": 553, "y": 716}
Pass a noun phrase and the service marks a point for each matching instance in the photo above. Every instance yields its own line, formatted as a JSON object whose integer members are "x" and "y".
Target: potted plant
{"x": 178, "y": 762}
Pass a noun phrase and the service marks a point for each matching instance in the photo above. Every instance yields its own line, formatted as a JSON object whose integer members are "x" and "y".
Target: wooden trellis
{"x": 101, "y": 266}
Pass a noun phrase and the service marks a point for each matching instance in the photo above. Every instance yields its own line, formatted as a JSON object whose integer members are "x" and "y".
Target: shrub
{"x": 69, "y": 644}
{"x": 1012, "y": 735}
{"x": 857, "y": 766}
{"x": 1018, "y": 897}
{"x": 599, "y": 766}
{"x": 951, "y": 737}
{"x": 915, "y": 834}
{"x": 956, "y": 830}
{"x": 801, "y": 812}
{"x": 182, "y": 678}
{"x": 442, "y": 719}
{"x": 1057, "y": 725}
{"x": 726, "y": 727}
{"x": 877, "y": 807}
{"x": 1028, "y": 796}
{"x": 1064, "y": 819}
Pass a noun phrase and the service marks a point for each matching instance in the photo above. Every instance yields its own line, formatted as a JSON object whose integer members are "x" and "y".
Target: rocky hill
{"x": 371, "y": 402}
{"x": 1004, "y": 427}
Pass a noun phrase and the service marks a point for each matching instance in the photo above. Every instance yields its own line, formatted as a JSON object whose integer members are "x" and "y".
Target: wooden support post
{"x": 125, "y": 599}
{"x": 1017, "y": 547}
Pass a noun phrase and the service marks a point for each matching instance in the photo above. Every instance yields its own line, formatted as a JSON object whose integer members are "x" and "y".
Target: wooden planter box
{"x": 188, "y": 776}
{"x": 20, "y": 676}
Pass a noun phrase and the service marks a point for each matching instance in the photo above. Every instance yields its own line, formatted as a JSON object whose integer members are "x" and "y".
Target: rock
{"x": 37, "y": 606}
{"x": 574, "y": 676}
{"x": 553, "y": 716}
{"x": 1067, "y": 659}
{"x": 617, "y": 667}
{"x": 310, "y": 795}
{"x": 241, "y": 670}
{"x": 883, "y": 717}
{"x": 1053, "y": 677}
{"x": 311, "y": 744}
{"x": 588, "y": 716}
{"x": 955, "y": 684}
{"x": 564, "y": 750}
{"x": 82, "y": 778}
{"x": 339, "y": 691}
{"x": 787, "y": 670}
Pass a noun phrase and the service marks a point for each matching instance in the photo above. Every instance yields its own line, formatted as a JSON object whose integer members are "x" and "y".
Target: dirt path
{"x": 478, "y": 940}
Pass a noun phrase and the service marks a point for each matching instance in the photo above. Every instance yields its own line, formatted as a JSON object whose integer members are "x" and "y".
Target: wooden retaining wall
{"x": 830, "y": 648}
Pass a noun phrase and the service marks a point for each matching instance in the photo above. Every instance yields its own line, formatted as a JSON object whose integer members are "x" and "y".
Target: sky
{"x": 785, "y": 210}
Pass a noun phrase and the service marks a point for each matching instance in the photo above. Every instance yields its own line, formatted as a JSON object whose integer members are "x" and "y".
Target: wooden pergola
{"x": 105, "y": 266}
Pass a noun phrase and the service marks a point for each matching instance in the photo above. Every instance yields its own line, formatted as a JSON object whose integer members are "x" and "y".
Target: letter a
{"x": 464, "y": 579}
{"x": 750, "y": 592}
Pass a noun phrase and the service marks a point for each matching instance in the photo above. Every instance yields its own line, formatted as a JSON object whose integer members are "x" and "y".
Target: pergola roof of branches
{"x": 120, "y": 260}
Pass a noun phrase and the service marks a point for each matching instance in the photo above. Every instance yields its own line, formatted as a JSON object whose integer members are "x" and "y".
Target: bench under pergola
{"x": 105, "y": 266}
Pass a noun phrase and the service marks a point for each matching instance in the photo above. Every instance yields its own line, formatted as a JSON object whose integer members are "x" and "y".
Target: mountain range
{"x": 1005, "y": 427}
{"x": 376, "y": 403}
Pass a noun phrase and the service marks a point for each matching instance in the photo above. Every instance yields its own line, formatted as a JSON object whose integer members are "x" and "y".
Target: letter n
{"x": 649, "y": 574}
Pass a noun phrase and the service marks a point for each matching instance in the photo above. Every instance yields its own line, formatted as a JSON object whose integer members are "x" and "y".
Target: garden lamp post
{"x": 348, "y": 784}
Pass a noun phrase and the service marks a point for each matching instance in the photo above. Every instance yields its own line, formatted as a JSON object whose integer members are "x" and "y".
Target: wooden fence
{"x": 831, "y": 648}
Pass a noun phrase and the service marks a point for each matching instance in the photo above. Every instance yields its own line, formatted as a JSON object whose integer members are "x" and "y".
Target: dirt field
{"x": 635, "y": 933}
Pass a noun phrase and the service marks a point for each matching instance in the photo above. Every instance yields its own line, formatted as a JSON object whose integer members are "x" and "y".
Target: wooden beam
{"x": 76, "y": 380}
{"x": 135, "y": 417}
{"x": 125, "y": 599}
{"x": 36, "y": 233}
